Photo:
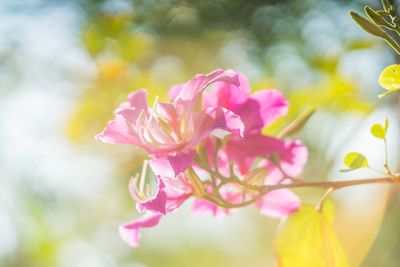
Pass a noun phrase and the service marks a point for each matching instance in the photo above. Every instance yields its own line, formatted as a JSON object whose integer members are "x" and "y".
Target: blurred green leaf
{"x": 297, "y": 124}
{"x": 307, "y": 239}
{"x": 355, "y": 160}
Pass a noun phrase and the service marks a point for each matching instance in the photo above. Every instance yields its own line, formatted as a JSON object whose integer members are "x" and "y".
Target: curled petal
{"x": 129, "y": 232}
{"x": 118, "y": 132}
{"x": 278, "y": 203}
{"x": 171, "y": 166}
{"x": 157, "y": 204}
{"x": 228, "y": 94}
{"x": 192, "y": 89}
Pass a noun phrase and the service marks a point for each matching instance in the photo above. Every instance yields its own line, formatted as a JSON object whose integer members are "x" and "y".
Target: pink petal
{"x": 227, "y": 94}
{"x": 215, "y": 118}
{"x": 278, "y": 203}
{"x": 292, "y": 154}
{"x": 157, "y": 204}
{"x": 194, "y": 87}
{"x": 138, "y": 99}
{"x": 118, "y": 132}
{"x": 201, "y": 206}
{"x": 294, "y": 157}
{"x": 272, "y": 105}
{"x": 129, "y": 232}
{"x": 171, "y": 166}
{"x": 174, "y": 91}
{"x": 249, "y": 112}
{"x": 239, "y": 149}
{"x": 137, "y": 103}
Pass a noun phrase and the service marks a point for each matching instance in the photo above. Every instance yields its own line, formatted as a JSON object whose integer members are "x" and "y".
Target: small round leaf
{"x": 378, "y": 131}
{"x": 355, "y": 160}
{"x": 390, "y": 77}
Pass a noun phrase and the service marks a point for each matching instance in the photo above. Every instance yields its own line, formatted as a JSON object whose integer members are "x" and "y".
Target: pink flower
{"x": 170, "y": 131}
{"x": 186, "y": 133}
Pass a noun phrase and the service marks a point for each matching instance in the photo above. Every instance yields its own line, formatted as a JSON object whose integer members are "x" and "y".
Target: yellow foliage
{"x": 307, "y": 239}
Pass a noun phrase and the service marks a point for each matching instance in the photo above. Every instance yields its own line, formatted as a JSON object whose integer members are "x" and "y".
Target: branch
{"x": 334, "y": 184}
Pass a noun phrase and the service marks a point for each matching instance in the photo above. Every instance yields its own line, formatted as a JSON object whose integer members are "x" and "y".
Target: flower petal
{"x": 227, "y": 94}
{"x": 118, "y": 132}
{"x": 137, "y": 103}
{"x": 201, "y": 206}
{"x": 129, "y": 232}
{"x": 192, "y": 89}
{"x": 157, "y": 204}
{"x": 215, "y": 118}
{"x": 272, "y": 105}
{"x": 278, "y": 203}
{"x": 171, "y": 166}
{"x": 292, "y": 154}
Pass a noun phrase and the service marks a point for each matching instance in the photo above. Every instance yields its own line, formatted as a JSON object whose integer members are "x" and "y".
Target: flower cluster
{"x": 207, "y": 143}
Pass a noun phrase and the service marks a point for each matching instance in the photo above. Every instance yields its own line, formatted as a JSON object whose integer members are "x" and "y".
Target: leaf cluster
{"x": 381, "y": 23}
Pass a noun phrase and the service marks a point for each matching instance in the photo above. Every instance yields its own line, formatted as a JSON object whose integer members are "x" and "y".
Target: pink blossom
{"x": 170, "y": 131}
{"x": 186, "y": 133}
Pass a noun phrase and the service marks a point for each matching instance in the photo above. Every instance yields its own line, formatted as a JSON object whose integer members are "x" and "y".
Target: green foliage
{"x": 390, "y": 79}
{"x": 379, "y": 131}
{"x": 380, "y": 23}
{"x": 355, "y": 160}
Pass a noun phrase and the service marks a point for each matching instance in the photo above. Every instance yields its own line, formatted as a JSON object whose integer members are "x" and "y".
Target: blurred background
{"x": 64, "y": 67}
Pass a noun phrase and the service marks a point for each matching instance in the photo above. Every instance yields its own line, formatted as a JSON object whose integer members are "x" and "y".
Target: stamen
{"x": 143, "y": 176}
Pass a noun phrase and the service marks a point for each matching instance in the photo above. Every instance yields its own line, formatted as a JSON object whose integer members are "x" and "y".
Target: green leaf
{"x": 386, "y": 5}
{"x": 297, "y": 124}
{"x": 375, "y": 17}
{"x": 390, "y": 77}
{"x": 378, "y": 131}
{"x": 386, "y": 124}
{"x": 373, "y": 29}
{"x": 368, "y": 26}
{"x": 307, "y": 239}
{"x": 355, "y": 160}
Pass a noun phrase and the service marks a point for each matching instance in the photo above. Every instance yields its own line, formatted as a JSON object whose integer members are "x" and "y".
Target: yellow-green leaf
{"x": 355, "y": 160}
{"x": 307, "y": 239}
{"x": 390, "y": 78}
{"x": 378, "y": 131}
